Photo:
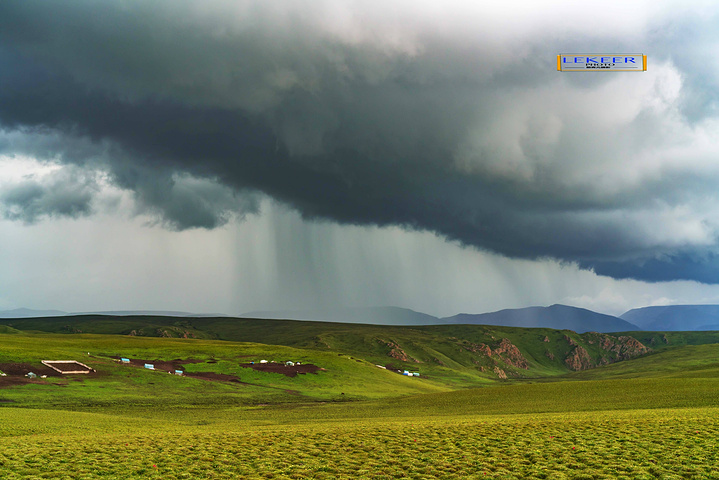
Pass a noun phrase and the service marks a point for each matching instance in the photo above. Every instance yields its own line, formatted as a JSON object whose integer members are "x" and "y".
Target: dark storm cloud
{"x": 699, "y": 266}
{"x": 181, "y": 201}
{"x": 361, "y": 116}
{"x": 67, "y": 192}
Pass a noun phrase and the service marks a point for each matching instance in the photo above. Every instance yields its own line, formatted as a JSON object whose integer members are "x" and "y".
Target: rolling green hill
{"x": 455, "y": 355}
{"x": 678, "y": 376}
{"x": 231, "y": 380}
{"x": 359, "y": 361}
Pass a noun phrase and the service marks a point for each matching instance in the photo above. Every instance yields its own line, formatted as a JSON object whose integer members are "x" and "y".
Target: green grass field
{"x": 344, "y": 378}
{"x": 451, "y": 354}
{"x": 638, "y": 444}
{"x": 656, "y": 416}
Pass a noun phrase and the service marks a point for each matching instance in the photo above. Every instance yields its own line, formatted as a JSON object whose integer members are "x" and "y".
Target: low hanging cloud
{"x": 67, "y": 192}
{"x": 450, "y": 119}
{"x": 180, "y": 201}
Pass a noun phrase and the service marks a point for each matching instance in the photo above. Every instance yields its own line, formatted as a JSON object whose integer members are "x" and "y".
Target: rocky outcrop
{"x": 629, "y": 347}
{"x": 500, "y": 373}
{"x": 505, "y": 351}
{"x": 578, "y": 359}
{"x": 612, "y": 349}
{"x": 576, "y": 352}
{"x": 400, "y": 354}
{"x": 606, "y": 342}
{"x": 623, "y": 347}
{"x": 397, "y": 352}
{"x": 510, "y": 354}
{"x": 480, "y": 348}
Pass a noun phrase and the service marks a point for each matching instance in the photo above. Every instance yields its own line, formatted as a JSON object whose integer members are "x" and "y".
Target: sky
{"x": 232, "y": 156}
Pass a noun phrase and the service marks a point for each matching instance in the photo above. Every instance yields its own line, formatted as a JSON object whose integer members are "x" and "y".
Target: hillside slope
{"x": 459, "y": 355}
{"x": 214, "y": 373}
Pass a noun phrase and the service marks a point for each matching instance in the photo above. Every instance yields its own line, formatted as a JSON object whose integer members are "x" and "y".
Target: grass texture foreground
{"x": 655, "y": 417}
{"x": 636, "y": 444}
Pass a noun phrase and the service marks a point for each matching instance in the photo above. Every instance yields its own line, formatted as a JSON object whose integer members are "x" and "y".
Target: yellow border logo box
{"x": 602, "y": 62}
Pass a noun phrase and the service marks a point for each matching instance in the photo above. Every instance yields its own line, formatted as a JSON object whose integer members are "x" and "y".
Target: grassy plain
{"x": 631, "y": 444}
{"x": 652, "y": 417}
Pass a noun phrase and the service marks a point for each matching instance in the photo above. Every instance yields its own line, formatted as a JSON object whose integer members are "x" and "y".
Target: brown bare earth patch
{"x": 288, "y": 370}
{"x": 164, "y": 365}
{"x": 16, "y": 373}
{"x": 68, "y": 366}
{"x": 22, "y": 369}
{"x": 15, "y": 381}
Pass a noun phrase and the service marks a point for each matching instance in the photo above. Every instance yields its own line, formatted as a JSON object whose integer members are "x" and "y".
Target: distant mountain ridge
{"x": 28, "y": 312}
{"x": 674, "y": 317}
{"x": 559, "y": 317}
{"x": 369, "y": 315}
